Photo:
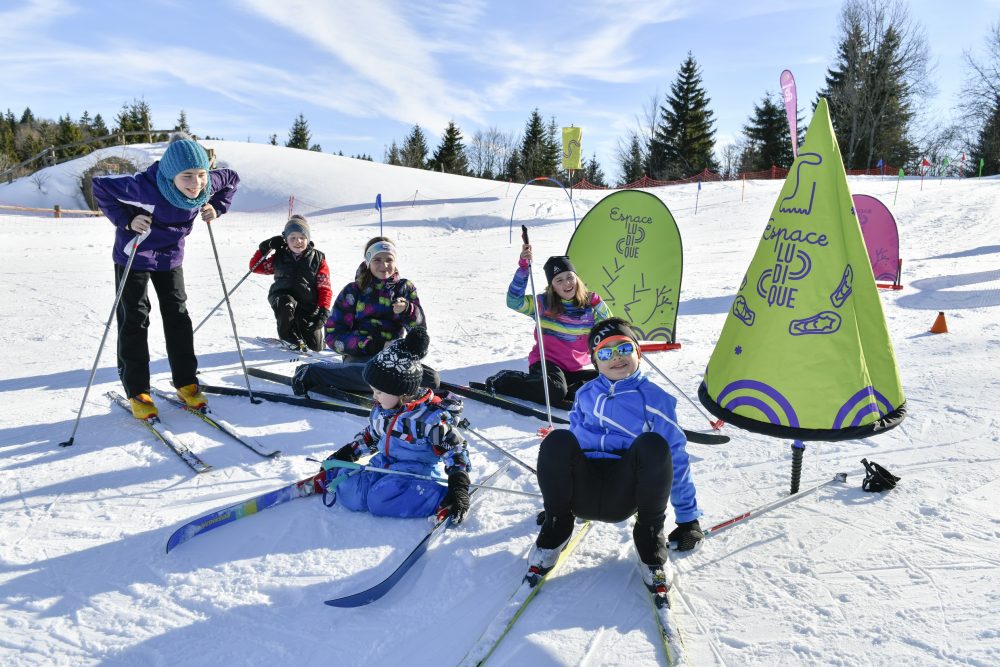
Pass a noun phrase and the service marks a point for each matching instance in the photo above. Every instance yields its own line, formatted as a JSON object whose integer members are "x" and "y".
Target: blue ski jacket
{"x": 608, "y": 416}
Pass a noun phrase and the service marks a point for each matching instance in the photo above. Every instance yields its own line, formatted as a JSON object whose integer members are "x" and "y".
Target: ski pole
{"x": 139, "y": 238}
{"x": 334, "y": 463}
{"x": 716, "y": 424}
{"x": 235, "y": 287}
{"x": 232, "y": 319}
{"x": 541, "y": 343}
{"x": 763, "y": 509}
{"x": 464, "y": 424}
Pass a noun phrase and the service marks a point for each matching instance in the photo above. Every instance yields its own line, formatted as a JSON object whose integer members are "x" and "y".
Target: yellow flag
{"x": 572, "y": 155}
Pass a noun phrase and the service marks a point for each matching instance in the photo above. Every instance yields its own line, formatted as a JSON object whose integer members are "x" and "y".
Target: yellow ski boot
{"x": 192, "y": 396}
{"x": 143, "y": 407}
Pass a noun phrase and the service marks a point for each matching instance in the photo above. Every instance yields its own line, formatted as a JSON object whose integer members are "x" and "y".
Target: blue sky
{"x": 363, "y": 73}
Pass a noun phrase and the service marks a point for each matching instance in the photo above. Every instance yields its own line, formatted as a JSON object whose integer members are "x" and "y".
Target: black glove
{"x": 345, "y": 453}
{"x": 273, "y": 243}
{"x": 319, "y": 319}
{"x": 686, "y": 536}
{"x": 456, "y": 501}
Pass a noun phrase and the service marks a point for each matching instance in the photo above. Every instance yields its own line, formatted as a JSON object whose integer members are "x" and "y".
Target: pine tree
{"x": 7, "y": 149}
{"x": 768, "y": 140}
{"x": 182, "y": 123}
{"x": 317, "y": 148}
{"x": 141, "y": 118}
{"x": 553, "y": 153}
{"x": 592, "y": 171}
{"x": 273, "y": 140}
{"x": 123, "y": 120}
{"x": 872, "y": 88}
{"x": 414, "y": 151}
{"x": 299, "y": 136}
{"x": 69, "y": 132}
{"x": 85, "y": 124}
{"x": 534, "y": 158}
{"x": 98, "y": 128}
{"x": 450, "y": 156}
{"x": 684, "y": 141}
{"x": 392, "y": 155}
{"x": 631, "y": 160}
{"x": 987, "y": 145}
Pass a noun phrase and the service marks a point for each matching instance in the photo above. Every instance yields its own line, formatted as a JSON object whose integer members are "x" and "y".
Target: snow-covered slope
{"x": 841, "y": 577}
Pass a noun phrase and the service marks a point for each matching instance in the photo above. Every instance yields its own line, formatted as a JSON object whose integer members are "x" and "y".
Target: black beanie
{"x": 297, "y": 223}
{"x": 396, "y": 369}
{"x": 556, "y": 265}
{"x": 613, "y": 326}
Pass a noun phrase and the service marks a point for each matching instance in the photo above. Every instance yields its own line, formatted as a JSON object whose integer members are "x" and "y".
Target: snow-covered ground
{"x": 910, "y": 577}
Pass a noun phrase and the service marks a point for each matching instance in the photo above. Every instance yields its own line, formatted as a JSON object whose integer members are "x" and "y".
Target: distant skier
{"x": 623, "y": 454}
{"x": 410, "y": 430}
{"x": 300, "y": 295}
{"x": 374, "y": 309}
{"x": 165, "y": 200}
{"x": 568, "y": 310}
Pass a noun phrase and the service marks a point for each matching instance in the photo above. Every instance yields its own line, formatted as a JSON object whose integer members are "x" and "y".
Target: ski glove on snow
{"x": 273, "y": 243}
{"x": 456, "y": 501}
{"x": 686, "y": 536}
{"x": 877, "y": 478}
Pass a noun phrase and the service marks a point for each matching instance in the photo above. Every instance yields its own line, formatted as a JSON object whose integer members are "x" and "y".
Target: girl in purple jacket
{"x": 164, "y": 200}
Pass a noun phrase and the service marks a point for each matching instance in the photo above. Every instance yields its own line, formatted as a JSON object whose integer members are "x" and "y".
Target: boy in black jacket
{"x": 301, "y": 294}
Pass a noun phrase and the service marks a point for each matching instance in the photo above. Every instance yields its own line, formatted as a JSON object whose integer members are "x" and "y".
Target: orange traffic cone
{"x": 939, "y": 325}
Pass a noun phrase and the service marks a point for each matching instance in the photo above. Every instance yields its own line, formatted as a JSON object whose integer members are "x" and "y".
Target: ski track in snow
{"x": 909, "y": 577}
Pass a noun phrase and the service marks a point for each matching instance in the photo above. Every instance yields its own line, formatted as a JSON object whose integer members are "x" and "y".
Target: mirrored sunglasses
{"x": 621, "y": 350}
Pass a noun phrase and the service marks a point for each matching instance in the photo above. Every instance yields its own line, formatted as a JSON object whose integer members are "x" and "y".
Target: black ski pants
{"x": 348, "y": 375}
{"x": 562, "y": 384}
{"x": 132, "y": 315}
{"x": 295, "y": 322}
{"x": 608, "y": 490}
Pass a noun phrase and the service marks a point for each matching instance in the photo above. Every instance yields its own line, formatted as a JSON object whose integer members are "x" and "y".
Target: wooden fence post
{"x": 56, "y": 211}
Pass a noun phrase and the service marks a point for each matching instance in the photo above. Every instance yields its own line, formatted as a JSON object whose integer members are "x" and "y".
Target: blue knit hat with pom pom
{"x": 182, "y": 153}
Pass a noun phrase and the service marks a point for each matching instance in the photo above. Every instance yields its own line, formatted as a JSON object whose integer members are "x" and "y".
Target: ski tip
{"x": 351, "y": 601}
{"x": 700, "y": 438}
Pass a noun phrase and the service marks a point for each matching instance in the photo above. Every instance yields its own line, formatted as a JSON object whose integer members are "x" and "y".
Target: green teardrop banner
{"x": 627, "y": 248}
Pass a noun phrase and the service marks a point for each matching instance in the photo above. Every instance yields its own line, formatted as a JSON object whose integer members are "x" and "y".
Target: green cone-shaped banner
{"x": 628, "y": 249}
{"x": 805, "y": 353}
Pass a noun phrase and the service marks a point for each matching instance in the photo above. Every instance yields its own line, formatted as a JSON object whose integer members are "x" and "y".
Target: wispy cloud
{"x": 31, "y": 18}
{"x": 601, "y": 48}
{"x": 384, "y": 53}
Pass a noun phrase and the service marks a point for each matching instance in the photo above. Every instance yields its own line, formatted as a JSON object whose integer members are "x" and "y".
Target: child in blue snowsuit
{"x": 410, "y": 430}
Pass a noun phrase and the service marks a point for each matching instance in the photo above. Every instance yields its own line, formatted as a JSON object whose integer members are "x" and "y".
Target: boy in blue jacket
{"x": 623, "y": 454}
{"x": 165, "y": 200}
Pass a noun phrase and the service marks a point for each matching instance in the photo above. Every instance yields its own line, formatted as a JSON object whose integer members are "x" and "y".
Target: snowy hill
{"x": 910, "y": 577}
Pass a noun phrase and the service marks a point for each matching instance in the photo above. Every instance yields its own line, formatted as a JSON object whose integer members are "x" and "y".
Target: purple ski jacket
{"x": 121, "y": 198}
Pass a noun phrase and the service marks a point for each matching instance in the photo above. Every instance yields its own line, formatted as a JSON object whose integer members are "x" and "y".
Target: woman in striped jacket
{"x": 567, "y": 312}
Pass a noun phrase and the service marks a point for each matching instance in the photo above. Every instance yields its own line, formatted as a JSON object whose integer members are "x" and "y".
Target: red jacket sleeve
{"x": 324, "y": 294}
{"x": 266, "y": 267}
